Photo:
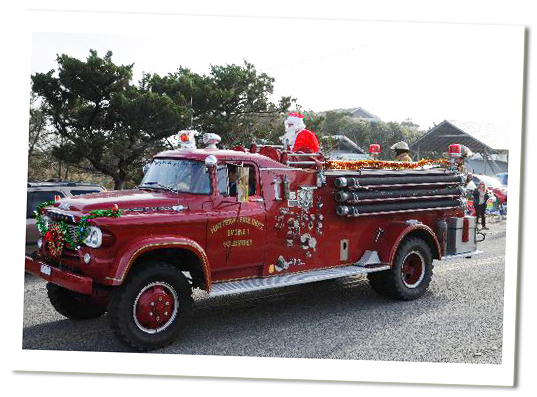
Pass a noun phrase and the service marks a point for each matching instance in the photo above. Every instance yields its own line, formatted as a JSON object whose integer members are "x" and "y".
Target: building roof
{"x": 357, "y": 113}
{"x": 477, "y": 136}
{"x": 477, "y": 166}
{"x": 361, "y": 113}
{"x": 341, "y": 143}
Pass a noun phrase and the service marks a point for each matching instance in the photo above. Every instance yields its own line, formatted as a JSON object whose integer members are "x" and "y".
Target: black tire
{"x": 410, "y": 274}
{"x": 148, "y": 310}
{"x": 377, "y": 281}
{"x": 73, "y": 305}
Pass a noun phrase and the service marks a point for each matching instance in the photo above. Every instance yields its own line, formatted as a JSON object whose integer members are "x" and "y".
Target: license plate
{"x": 45, "y": 269}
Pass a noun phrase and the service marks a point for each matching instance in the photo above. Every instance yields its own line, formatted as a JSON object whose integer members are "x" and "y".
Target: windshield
{"x": 186, "y": 176}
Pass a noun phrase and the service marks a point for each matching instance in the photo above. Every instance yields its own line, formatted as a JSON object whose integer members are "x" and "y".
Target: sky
{"x": 420, "y": 71}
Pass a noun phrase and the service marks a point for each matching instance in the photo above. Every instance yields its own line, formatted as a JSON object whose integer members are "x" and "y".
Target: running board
{"x": 258, "y": 284}
{"x": 468, "y": 254}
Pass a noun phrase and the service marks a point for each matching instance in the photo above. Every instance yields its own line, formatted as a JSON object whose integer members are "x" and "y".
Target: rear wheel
{"x": 74, "y": 305}
{"x": 148, "y": 310}
{"x": 410, "y": 274}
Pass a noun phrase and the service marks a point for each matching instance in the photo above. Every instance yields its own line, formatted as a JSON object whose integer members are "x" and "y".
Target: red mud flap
{"x": 70, "y": 281}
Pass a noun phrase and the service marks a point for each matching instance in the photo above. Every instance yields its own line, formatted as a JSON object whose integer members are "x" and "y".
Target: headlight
{"x": 95, "y": 237}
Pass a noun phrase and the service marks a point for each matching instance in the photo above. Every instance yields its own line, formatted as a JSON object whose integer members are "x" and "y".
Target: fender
{"x": 390, "y": 240}
{"x": 134, "y": 250}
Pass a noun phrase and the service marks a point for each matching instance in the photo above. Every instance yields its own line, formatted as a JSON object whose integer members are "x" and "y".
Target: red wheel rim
{"x": 413, "y": 269}
{"x": 155, "y": 307}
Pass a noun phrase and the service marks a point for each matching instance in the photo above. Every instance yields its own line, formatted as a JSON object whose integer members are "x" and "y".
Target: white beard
{"x": 290, "y": 136}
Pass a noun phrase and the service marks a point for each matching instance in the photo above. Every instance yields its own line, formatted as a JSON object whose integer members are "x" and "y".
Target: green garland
{"x": 82, "y": 227}
{"x": 40, "y": 223}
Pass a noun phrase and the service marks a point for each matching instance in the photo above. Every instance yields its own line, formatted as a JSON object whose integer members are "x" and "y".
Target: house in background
{"x": 489, "y": 143}
{"x": 357, "y": 113}
{"x": 361, "y": 113}
{"x": 339, "y": 147}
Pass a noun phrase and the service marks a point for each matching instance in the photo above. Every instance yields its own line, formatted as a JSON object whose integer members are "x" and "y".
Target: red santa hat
{"x": 295, "y": 119}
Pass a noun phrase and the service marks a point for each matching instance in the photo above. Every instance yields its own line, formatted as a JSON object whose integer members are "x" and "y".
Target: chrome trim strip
{"x": 462, "y": 255}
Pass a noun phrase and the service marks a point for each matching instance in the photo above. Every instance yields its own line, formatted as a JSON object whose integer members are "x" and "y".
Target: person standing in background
{"x": 480, "y": 203}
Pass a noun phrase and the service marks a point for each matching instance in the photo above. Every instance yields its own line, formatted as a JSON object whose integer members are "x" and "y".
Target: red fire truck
{"x": 230, "y": 221}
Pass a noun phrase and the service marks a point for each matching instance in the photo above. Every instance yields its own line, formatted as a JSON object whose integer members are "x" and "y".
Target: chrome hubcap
{"x": 155, "y": 307}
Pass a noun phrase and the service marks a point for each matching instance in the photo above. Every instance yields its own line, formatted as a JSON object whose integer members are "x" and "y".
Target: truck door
{"x": 236, "y": 230}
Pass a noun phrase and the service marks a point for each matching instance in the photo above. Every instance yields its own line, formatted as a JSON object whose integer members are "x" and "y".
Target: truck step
{"x": 257, "y": 284}
{"x": 468, "y": 254}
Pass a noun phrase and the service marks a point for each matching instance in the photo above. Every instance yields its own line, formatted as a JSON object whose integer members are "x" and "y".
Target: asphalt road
{"x": 458, "y": 320}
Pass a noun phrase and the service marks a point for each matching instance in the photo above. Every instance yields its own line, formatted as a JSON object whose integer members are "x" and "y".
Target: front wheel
{"x": 147, "y": 312}
{"x": 410, "y": 274}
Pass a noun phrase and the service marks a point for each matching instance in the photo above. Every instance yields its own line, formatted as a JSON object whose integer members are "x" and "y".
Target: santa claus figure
{"x": 297, "y": 137}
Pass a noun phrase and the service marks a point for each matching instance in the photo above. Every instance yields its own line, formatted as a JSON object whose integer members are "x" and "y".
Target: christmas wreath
{"x": 54, "y": 240}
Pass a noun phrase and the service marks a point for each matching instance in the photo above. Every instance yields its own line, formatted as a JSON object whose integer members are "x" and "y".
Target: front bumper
{"x": 65, "y": 279}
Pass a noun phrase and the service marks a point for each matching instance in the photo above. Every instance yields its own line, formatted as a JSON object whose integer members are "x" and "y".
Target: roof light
{"x": 454, "y": 150}
{"x": 374, "y": 148}
{"x": 211, "y": 140}
{"x": 184, "y": 137}
{"x": 57, "y": 197}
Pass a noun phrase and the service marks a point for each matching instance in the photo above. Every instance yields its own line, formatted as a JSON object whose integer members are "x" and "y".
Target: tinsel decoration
{"x": 39, "y": 218}
{"x": 59, "y": 231}
{"x": 381, "y": 164}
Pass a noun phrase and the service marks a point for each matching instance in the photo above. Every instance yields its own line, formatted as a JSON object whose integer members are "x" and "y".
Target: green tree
{"x": 103, "y": 120}
{"x": 364, "y": 133}
{"x": 232, "y": 101}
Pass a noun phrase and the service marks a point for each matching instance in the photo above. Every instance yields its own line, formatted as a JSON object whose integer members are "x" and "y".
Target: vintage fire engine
{"x": 231, "y": 221}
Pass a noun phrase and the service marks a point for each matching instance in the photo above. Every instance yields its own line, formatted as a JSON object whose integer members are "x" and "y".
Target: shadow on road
{"x": 291, "y": 322}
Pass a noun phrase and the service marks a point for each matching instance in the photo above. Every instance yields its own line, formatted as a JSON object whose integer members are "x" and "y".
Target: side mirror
{"x": 211, "y": 161}
{"x": 145, "y": 168}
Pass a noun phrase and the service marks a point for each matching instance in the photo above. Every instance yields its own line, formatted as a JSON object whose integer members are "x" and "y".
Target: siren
{"x": 211, "y": 140}
{"x": 374, "y": 151}
{"x": 187, "y": 139}
{"x": 374, "y": 148}
{"x": 455, "y": 150}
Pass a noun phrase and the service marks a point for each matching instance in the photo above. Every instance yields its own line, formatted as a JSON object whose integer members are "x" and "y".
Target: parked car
{"x": 39, "y": 192}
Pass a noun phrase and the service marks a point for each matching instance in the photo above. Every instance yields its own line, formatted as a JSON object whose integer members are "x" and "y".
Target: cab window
{"x": 227, "y": 180}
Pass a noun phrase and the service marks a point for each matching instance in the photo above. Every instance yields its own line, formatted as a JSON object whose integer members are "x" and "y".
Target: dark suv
{"x": 39, "y": 192}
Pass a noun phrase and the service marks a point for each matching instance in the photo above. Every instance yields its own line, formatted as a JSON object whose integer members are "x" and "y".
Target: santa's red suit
{"x": 297, "y": 137}
{"x": 306, "y": 139}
